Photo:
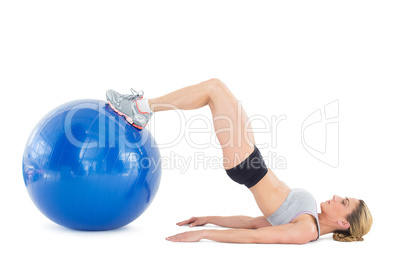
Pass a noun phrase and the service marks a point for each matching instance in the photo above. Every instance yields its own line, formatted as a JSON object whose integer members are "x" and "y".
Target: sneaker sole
{"x": 128, "y": 119}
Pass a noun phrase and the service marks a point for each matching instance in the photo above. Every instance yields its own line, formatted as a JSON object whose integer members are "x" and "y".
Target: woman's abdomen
{"x": 270, "y": 193}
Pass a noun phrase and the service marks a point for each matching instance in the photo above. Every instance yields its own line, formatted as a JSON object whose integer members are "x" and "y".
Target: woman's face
{"x": 338, "y": 208}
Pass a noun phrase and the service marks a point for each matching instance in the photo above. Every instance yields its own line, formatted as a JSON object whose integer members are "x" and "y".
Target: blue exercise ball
{"x": 86, "y": 168}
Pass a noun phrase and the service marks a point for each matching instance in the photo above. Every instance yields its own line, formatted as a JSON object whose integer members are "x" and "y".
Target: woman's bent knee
{"x": 216, "y": 83}
{"x": 217, "y": 88}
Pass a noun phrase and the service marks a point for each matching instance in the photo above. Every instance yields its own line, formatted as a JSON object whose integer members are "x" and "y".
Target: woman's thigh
{"x": 232, "y": 126}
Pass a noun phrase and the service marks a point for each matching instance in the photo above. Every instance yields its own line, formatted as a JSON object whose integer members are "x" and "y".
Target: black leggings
{"x": 250, "y": 171}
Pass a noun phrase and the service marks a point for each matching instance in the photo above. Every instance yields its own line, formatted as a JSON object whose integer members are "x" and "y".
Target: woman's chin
{"x": 322, "y": 205}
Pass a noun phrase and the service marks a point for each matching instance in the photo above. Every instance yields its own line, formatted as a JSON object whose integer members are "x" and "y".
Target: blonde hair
{"x": 360, "y": 221}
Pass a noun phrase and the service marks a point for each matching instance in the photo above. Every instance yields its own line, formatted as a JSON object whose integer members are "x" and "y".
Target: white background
{"x": 278, "y": 57}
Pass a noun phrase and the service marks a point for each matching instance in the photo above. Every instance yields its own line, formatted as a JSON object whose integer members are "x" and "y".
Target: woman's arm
{"x": 292, "y": 233}
{"x": 244, "y": 222}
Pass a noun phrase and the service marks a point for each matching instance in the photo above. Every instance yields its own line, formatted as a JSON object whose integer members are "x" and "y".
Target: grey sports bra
{"x": 298, "y": 202}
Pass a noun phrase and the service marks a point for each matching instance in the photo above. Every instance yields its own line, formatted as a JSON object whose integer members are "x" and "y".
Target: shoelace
{"x": 134, "y": 95}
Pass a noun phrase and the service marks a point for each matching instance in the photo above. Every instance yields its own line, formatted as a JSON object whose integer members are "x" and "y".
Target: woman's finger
{"x": 181, "y": 223}
{"x": 193, "y": 236}
{"x": 185, "y": 222}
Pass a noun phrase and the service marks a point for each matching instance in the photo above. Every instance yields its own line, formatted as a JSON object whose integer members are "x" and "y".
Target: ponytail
{"x": 345, "y": 237}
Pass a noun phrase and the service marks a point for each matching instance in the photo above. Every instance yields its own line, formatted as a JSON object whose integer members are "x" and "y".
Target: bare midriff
{"x": 270, "y": 193}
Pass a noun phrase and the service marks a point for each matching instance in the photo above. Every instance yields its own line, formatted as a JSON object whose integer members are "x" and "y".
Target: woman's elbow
{"x": 298, "y": 239}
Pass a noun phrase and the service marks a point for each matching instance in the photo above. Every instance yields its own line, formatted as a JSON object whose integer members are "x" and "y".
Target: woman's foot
{"x": 127, "y": 106}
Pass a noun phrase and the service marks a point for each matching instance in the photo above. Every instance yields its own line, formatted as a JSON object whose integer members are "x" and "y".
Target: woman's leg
{"x": 231, "y": 123}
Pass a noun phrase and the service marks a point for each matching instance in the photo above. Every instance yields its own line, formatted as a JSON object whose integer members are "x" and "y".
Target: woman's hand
{"x": 194, "y": 221}
{"x": 193, "y": 236}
